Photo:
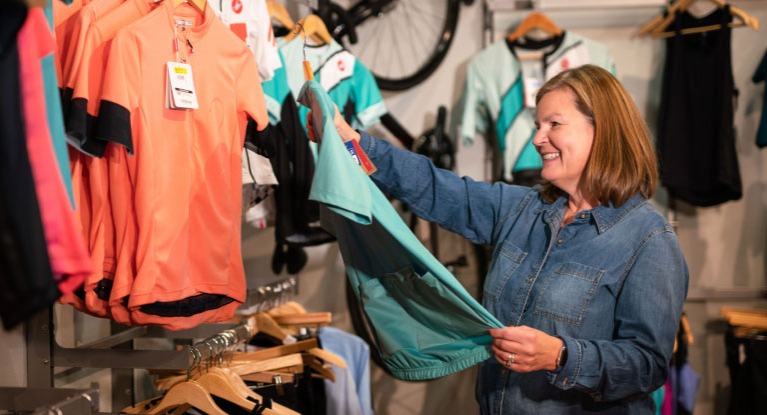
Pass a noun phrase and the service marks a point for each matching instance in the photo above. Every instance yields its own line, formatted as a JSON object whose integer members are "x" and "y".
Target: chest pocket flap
{"x": 566, "y": 294}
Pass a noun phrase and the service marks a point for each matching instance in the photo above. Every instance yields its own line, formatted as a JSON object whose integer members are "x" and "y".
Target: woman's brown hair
{"x": 622, "y": 160}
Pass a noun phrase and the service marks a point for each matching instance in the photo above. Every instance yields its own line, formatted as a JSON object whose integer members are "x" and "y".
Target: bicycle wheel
{"x": 403, "y": 42}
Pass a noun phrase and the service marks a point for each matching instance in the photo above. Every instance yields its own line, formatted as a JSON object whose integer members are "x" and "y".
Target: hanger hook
{"x": 295, "y": 30}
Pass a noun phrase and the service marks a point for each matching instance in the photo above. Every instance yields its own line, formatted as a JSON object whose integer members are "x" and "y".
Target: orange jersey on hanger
{"x": 179, "y": 193}
{"x": 91, "y": 177}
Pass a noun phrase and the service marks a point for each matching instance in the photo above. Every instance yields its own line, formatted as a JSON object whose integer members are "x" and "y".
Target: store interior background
{"x": 724, "y": 245}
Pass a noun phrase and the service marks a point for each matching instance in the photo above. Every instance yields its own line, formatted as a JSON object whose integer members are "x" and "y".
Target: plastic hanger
{"x": 535, "y": 20}
{"x": 657, "y": 27}
{"x": 278, "y": 12}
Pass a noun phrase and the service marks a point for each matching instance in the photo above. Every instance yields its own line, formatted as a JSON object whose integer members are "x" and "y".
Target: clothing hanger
{"x": 278, "y": 12}
{"x": 243, "y": 368}
{"x": 221, "y": 386}
{"x": 658, "y": 28}
{"x": 290, "y": 307}
{"x": 35, "y": 3}
{"x": 322, "y": 369}
{"x": 188, "y": 393}
{"x": 322, "y": 318}
{"x": 199, "y": 5}
{"x": 310, "y": 346}
{"x": 535, "y": 20}
{"x": 312, "y": 26}
{"x": 686, "y": 330}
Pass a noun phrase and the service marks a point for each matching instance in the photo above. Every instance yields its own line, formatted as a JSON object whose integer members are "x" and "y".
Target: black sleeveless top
{"x": 696, "y": 135}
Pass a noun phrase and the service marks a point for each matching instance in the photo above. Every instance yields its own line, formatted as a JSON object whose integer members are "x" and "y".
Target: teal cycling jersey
{"x": 426, "y": 324}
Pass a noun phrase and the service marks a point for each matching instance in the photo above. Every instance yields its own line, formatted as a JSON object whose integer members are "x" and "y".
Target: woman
{"x": 586, "y": 274}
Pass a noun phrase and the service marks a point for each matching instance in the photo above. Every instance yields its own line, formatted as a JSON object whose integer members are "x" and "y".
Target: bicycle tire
{"x": 392, "y": 36}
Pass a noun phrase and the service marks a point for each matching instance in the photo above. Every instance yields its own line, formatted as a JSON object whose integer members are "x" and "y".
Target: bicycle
{"x": 394, "y": 38}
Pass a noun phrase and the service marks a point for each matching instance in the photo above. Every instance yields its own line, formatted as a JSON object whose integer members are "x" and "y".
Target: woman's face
{"x": 563, "y": 139}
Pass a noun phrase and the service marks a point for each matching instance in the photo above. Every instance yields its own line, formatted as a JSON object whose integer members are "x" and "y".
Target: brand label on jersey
{"x": 359, "y": 156}
{"x": 180, "y": 92}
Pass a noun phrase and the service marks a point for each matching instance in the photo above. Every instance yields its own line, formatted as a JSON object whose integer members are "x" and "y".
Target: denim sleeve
{"x": 459, "y": 204}
{"x": 648, "y": 309}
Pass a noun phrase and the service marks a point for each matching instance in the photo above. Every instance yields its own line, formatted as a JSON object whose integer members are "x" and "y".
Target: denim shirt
{"x": 611, "y": 284}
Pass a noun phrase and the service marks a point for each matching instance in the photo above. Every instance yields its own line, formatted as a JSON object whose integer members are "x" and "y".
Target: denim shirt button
{"x": 530, "y": 280}
{"x": 560, "y": 241}
{"x": 583, "y": 216}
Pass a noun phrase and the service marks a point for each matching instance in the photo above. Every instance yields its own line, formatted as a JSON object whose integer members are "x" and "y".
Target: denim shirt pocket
{"x": 505, "y": 264}
{"x": 566, "y": 294}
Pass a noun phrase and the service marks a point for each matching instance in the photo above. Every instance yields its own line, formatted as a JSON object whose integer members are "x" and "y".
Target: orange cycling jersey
{"x": 178, "y": 196}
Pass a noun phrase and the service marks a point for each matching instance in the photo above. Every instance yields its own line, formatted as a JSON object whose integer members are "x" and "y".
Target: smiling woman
{"x": 622, "y": 158}
{"x": 585, "y": 332}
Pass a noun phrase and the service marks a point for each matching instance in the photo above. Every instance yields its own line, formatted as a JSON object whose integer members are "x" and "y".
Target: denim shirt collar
{"x": 604, "y": 216}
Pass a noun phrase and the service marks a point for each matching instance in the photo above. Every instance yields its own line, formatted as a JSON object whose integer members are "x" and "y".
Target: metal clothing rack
{"x": 117, "y": 352}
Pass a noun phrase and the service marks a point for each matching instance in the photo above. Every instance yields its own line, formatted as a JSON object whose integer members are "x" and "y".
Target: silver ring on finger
{"x": 510, "y": 360}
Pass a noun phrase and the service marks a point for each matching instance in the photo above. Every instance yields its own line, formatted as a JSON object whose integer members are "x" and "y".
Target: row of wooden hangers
{"x": 225, "y": 374}
{"x": 656, "y": 27}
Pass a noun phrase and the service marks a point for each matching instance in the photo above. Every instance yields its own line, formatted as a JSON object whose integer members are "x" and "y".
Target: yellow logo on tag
{"x": 180, "y": 70}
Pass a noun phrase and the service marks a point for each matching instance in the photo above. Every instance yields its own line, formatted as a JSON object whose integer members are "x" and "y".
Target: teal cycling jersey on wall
{"x": 426, "y": 324}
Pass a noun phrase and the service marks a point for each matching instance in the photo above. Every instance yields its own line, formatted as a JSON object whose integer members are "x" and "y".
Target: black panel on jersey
{"x": 113, "y": 125}
{"x": 80, "y": 126}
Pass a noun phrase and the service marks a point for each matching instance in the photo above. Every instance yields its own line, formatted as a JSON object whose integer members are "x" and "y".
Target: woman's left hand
{"x": 525, "y": 349}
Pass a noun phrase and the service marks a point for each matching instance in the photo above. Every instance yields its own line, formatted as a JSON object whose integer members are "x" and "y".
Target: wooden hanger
{"x": 243, "y": 368}
{"x": 657, "y": 27}
{"x": 310, "y": 346}
{"x": 321, "y": 318}
{"x": 278, "y": 12}
{"x": 189, "y": 393}
{"x": 311, "y": 26}
{"x": 264, "y": 323}
{"x": 276, "y": 351}
{"x": 199, "y": 5}
{"x": 290, "y": 307}
{"x": 218, "y": 384}
{"x": 535, "y": 20}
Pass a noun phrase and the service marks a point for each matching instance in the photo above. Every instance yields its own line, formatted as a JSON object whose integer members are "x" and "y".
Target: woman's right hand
{"x": 346, "y": 132}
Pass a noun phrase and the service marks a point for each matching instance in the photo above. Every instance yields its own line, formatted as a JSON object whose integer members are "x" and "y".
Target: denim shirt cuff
{"x": 367, "y": 142}
{"x": 566, "y": 377}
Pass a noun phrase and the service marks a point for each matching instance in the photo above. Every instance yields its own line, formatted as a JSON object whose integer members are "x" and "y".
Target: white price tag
{"x": 180, "y": 93}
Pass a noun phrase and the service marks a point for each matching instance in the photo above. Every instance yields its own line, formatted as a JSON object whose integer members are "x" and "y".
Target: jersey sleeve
{"x": 252, "y": 106}
{"x": 473, "y": 98}
{"x": 120, "y": 92}
{"x": 367, "y": 97}
{"x": 85, "y": 95}
{"x": 264, "y": 44}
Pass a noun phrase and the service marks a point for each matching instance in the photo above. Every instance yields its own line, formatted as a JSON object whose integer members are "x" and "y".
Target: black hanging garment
{"x": 748, "y": 376}
{"x": 26, "y": 279}
{"x": 696, "y": 135}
